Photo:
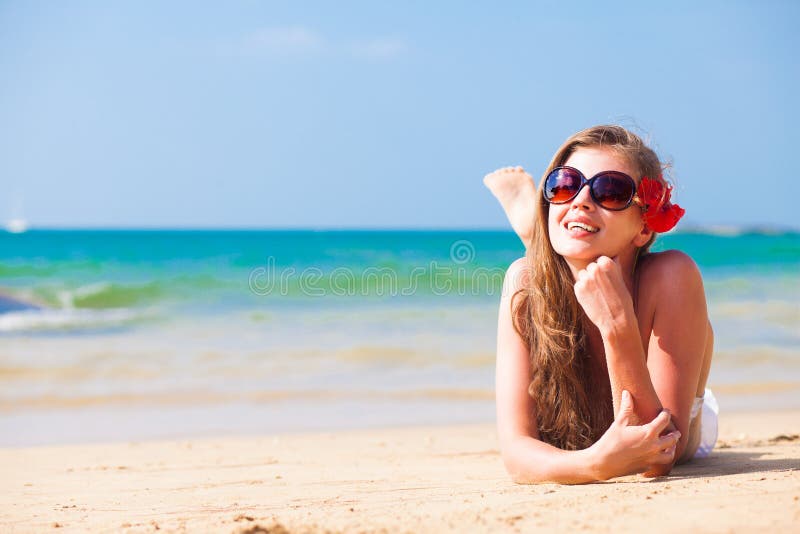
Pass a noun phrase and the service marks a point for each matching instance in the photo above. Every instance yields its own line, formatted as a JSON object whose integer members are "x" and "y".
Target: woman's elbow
{"x": 521, "y": 476}
{"x": 512, "y": 464}
{"x": 519, "y": 470}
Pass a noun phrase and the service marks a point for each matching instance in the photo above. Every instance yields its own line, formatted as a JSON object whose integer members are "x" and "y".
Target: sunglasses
{"x": 610, "y": 189}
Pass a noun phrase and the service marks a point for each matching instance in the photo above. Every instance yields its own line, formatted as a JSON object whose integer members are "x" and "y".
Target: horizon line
{"x": 692, "y": 228}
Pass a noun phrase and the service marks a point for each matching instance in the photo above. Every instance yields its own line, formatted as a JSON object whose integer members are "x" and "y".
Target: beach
{"x": 414, "y": 479}
{"x": 343, "y": 381}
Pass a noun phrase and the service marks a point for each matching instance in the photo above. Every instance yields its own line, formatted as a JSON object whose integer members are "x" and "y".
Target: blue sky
{"x": 377, "y": 114}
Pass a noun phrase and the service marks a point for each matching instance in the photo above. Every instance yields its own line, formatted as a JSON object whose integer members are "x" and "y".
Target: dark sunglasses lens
{"x": 613, "y": 191}
{"x": 562, "y": 185}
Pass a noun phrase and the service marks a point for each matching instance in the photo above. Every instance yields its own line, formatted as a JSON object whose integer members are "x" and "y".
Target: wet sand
{"x": 425, "y": 479}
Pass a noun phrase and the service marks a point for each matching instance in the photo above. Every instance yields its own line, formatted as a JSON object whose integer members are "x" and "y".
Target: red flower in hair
{"x": 660, "y": 215}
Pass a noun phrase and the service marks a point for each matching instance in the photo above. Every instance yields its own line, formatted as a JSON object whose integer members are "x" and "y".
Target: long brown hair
{"x": 572, "y": 409}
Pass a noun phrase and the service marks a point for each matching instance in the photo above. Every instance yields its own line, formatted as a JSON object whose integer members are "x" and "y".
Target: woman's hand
{"x": 601, "y": 292}
{"x": 625, "y": 450}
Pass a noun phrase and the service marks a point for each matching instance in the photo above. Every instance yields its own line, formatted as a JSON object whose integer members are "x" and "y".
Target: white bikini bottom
{"x": 708, "y": 424}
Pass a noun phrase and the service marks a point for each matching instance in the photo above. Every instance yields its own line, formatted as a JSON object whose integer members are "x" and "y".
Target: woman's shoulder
{"x": 666, "y": 261}
{"x": 669, "y": 270}
{"x": 517, "y": 266}
{"x": 517, "y": 275}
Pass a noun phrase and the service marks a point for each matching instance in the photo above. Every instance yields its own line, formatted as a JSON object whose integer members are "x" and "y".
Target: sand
{"x": 394, "y": 480}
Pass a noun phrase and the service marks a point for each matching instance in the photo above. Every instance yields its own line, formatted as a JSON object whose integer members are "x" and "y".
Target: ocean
{"x": 112, "y": 335}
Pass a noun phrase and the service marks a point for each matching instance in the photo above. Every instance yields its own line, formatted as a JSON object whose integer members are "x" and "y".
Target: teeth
{"x": 584, "y": 226}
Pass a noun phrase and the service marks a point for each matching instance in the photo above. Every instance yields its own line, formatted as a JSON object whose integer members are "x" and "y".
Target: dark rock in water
{"x": 10, "y": 304}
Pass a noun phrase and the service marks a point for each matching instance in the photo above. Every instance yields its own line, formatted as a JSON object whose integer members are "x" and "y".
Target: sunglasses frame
{"x": 590, "y": 182}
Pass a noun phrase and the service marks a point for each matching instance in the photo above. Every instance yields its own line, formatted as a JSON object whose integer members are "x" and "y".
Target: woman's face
{"x": 613, "y": 233}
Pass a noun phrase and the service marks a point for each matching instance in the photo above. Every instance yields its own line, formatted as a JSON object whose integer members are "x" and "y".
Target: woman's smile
{"x": 580, "y": 226}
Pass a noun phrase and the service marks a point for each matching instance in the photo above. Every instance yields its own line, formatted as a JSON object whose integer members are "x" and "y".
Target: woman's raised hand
{"x": 601, "y": 292}
{"x": 626, "y": 450}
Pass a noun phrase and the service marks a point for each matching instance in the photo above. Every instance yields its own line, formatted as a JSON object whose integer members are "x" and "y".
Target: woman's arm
{"x": 679, "y": 334}
{"x": 526, "y": 458}
{"x": 668, "y": 374}
{"x": 623, "y": 449}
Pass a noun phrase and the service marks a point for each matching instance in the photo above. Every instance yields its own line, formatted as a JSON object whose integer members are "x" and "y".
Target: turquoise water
{"x": 187, "y": 332}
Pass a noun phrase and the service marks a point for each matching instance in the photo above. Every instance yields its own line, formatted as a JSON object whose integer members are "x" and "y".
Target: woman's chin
{"x": 578, "y": 252}
{"x": 588, "y": 252}
{"x": 581, "y": 258}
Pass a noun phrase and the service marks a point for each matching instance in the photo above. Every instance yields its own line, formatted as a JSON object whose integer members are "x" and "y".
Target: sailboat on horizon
{"x": 16, "y": 225}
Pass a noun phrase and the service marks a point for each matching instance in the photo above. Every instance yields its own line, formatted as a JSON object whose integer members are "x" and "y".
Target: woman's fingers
{"x": 625, "y": 408}
{"x": 659, "y": 424}
{"x": 669, "y": 440}
{"x": 665, "y": 448}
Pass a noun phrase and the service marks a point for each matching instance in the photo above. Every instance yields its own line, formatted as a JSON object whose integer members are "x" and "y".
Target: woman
{"x": 603, "y": 348}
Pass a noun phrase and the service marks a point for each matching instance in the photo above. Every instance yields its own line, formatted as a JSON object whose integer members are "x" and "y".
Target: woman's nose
{"x": 583, "y": 199}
